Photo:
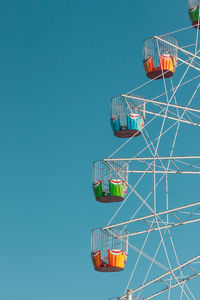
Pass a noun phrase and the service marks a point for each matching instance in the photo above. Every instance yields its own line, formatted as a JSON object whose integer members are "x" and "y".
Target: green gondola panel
{"x": 193, "y": 11}
{"x": 110, "y": 184}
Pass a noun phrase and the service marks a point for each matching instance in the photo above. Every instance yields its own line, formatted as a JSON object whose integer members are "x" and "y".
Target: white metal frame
{"x": 160, "y": 167}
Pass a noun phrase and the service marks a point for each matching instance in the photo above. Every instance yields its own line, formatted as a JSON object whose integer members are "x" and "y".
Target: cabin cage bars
{"x": 104, "y": 172}
{"x": 105, "y": 240}
{"x": 192, "y": 3}
{"x": 121, "y": 106}
{"x": 154, "y": 48}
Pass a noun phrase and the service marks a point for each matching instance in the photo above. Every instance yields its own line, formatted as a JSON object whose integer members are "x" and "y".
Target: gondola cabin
{"x": 127, "y": 116}
{"x": 109, "y": 252}
{"x": 159, "y": 57}
{"x": 193, "y": 11}
{"x": 110, "y": 183}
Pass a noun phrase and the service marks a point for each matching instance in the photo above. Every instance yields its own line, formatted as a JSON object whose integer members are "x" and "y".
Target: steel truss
{"x": 163, "y": 221}
{"x": 191, "y": 268}
{"x": 188, "y": 53}
{"x": 180, "y": 164}
{"x": 179, "y": 216}
{"x": 174, "y": 112}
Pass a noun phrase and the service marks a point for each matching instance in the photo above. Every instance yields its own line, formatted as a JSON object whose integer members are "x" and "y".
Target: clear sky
{"x": 61, "y": 62}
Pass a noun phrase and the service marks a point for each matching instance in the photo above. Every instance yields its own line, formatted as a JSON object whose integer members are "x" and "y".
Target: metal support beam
{"x": 153, "y": 158}
{"x": 172, "y": 286}
{"x": 153, "y": 215}
{"x": 159, "y": 228}
{"x": 129, "y": 295}
{"x": 177, "y": 47}
{"x": 164, "y": 275}
{"x": 185, "y": 109}
{"x": 161, "y": 103}
{"x": 172, "y": 118}
{"x": 180, "y": 165}
{"x": 188, "y": 64}
{"x": 164, "y": 172}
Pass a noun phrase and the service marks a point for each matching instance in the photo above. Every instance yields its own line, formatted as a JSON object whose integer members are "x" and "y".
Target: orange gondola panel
{"x": 160, "y": 57}
{"x": 109, "y": 250}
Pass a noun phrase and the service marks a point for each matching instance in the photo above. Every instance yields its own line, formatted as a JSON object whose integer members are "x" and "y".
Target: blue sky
{"x": 61, "y": 62}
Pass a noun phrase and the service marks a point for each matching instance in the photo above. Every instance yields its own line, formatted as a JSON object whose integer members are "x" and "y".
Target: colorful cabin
{"x": 110, "y": 183}
{"x": 193, "y": 11}
{"x": 127, "y": 116}
{"x": 109, "y": 252}
{"x": 159, "y": 57}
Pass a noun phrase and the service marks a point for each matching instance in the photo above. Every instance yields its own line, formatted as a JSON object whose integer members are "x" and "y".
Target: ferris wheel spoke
{"x": 148, "y": 144}
{"x": 165, "y": 118}
{"x": 190, "y": 275}
{"x": 138, "y": 259}
{"x": 180, "y": 120}
{"x": 140, "y": 207}
{"x": 189, "y": 63}
{"x": 177, "y": 116}
{"x": 170, "y": 282}
{"x": 177, "y": 220}
{"x": 177, "y": 47}
{"x": 183, "y": 76}
{"x": 132, "y": 189}
{"x": 170, "y": 287}
{"x": 197, "y": 38}
{"x": 160, "y": 104}
{"x": 173, "y": 88}
{"x": 179, "y": 30}
{"x": 154, "y": 149}
{"x": 151, "y": 265}
{"x": 147, "y": 274}
{"x": 178, "y": 263}
{"x": 148, "y": 257}
{"x": 175, "y": 101}
{"x": 161, "y": 242}
{"x": 191, "y": 99}
{"x": 130, "y": 186}
{"x": 179, "y": 164}
{"x": 166, "y": 253}
{"x": 119, "y": 208}
{"x": 167, "y": 212}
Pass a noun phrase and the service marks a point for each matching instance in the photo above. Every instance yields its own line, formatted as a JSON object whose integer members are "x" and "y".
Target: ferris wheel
{"x": 158, "y": 179}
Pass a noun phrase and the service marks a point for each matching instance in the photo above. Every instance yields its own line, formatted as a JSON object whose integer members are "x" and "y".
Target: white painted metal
{"x": 178, "y": 119}
{"x": 166, "y": 274}
{"x": 172, "y": 286}
{"x": 161, "y": 228}
{"x": 181, "y": 208}
{"x": 180, "y": 164}
{"x": 163, "y": 165}
{"x": 165, "y": 172}
{"x": 172, "y": 118}
{"x": 177, "y": 47}
{"x": 162, "y": 103}
{"x": 153, "y": 158}
{"x": 188, "y": 64}
{"x": 129, "y": 295}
